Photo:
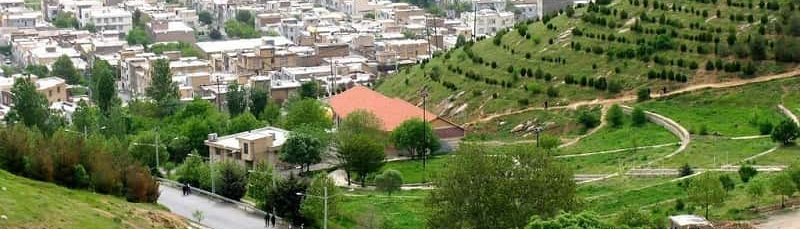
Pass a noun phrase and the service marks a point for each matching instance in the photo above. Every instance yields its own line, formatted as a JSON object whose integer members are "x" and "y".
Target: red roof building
{"x": 391, "y": 111}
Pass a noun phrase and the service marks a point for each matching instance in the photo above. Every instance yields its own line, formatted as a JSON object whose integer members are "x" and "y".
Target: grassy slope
{"x": 785, "y": 155}
{"x": 728, "y": 112}
{"x": 402, "y": 210}
{"x": 561, "y": 123}
{"x": 610, "y": 163}
{"x": 626, "y": 136}
{"x": 34, "y": 204}
{"x": 707, "y": 152}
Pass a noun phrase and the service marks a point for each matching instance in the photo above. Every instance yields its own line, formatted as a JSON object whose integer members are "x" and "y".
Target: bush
{"x": 588, "y": 120}
{"x": 638, "y": 117}
{"x": 747, "y": 172}
{"x": 389, "y": 181}
{"x": 685, "y": 170}
{"x": 727, "y": 182}
{"x": 81, "y": 179}
{"x": 615, "y": 116}
{"x": 231, "y": 180}
{"x": 643, "y": 94}
{"x": 765, "y": 127}
{"x": 552, "y": 91}
{"x": 140, "y": 186}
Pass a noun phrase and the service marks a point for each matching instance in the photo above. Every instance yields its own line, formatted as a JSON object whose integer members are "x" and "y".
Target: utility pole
{"x": 424, "y": 95}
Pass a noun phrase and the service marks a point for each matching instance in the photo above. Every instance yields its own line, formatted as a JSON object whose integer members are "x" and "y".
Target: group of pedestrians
{"x": 269, "y": 219}
{"x": 186, "y": 189}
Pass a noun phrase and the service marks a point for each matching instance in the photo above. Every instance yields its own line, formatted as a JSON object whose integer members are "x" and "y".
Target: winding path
{"x": 628, "y": 98}
{"x": 788, "y": 113}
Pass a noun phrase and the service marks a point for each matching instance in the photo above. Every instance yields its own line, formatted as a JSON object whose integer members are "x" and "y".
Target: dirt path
{"x": 603, "y": 123}
{"x": 617, "y": 150}
{"x": 628, "y": 98}
{"x": 786, "y": 220}
{"x": 788, "y": 113}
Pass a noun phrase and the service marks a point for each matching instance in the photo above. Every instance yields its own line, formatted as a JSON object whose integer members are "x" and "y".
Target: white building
{"x": 5, "y": 4}
{"x": 107, "y": 18}
{"x": 488, "y": 21}
{"x": 19, "y": 18}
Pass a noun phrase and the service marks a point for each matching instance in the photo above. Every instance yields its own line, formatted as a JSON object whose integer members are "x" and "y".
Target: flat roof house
{"x": 391, "y": 111}
{"x": 689, "y": 222}
{"x": 248, "y": 148}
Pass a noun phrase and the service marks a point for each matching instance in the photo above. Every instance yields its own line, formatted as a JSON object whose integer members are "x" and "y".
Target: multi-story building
{"x": 19, "y": 18}
{"x": 248, "y": 148}
{"x": 408, "y": 49}
{"x": 48, "y": 54}
{"x": 488, "y": 21}
{"x": 107, "y": 18}
{"x": 53, "y": 88}
{"x": 170, "y": 31}
{"x": 6, "y": 4}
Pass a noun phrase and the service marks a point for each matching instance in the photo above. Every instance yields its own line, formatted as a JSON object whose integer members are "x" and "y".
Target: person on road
{"x": 266, "y": 220}
{"x": 185, "y": 189}
{"x": 272, "y": 218}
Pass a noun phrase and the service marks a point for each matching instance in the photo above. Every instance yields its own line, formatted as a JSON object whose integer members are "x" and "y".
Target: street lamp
{"x": 210, "y": 170}
{"x": 325, "y": 198}
{"x": 85, "y": 132}
{"x": 157, "y": 145}
{"x": 538, "y": 130}
{"x": 274, "y": 186}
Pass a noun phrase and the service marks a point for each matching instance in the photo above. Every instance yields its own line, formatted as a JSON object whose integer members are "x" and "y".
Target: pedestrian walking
{"x": 185, "y": 189}
{"x": 272, "y": 218}
{"x": 545, "y": 105}
{"x": 267, "y": 217}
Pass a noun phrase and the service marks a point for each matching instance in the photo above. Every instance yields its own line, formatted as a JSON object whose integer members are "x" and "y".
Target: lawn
{"x": 626, "y": 136}
{"x": 371, "y": 209}
{"x": 710, "y": 152}
{"x": 785, "y": 155}
{"x": 611, "y": 162}
{"x": 727, "y": 112}
{"x": 33, "y": 204}
{"x": 412, "y": 169}
{"x": 617, "y": 184}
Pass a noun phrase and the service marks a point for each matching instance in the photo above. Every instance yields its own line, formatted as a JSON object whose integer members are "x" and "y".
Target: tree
{"x": 90, "y": 27}
{"x": 65, "y": 20}
{"x": 312, "y": 207}
{"x": 499, "y": 192}
{"x": 271, "y": 113}
{"x": 258, "y": 100}
{"x": 310, "y": 89}
{"x": 214, "y": 34}
{"x": 755, "y": 189}
{"x": 747, "y": 172}
{"x": 243, "y": 123}
{"x": 727, "y": 183}
{"x": 138, "y": 35}
{"x": 105, "y": 92}
{"x": 245, "y": 16}
{"x": 37, "y": 70}
{"x": 549, "y": 142}
{"x": 260, "y": 182}
{"x": 389, "y": 181}
{"x": 635, "y": 218}
{"x": 361, "y": 122}
{"x": 162, "y": 89}
{"x": 782, "y": 185}
{"x": 588, "y": 120}
{"x": 685, "y": 170}
{"x": 285, "y": 201}
{"x": 415, "y": 137}
{"x": 30, "y": 107}
{"x": 195, "y": 172}
{"x": 638, "y": 117}
{"x": 235, "y": 98}
{"x": 240, "y": 29}
{"x": 302, "y": 149}
{"x": 615, "y": 116}
{"x": 64, "y": 68}
{"x": 205, "y": 17}
{"x": 231, "y": 179}
{"x": 786, "y": 132}
{"x": 758, "y": 47}
{"x": 706, "y": 190}
{"x": 361, "y": 154}
{"x": 307, "y": 112}
{"x": 583, "y": 220}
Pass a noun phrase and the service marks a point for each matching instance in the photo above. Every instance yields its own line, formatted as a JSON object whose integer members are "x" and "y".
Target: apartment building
{"x": 107, "y": 18}
{"x": 53, "y": 88}
{"x": 6, "y": 4}
{"x": 408, "y": 49}
{"x": 248, "y": 148}
{"x": 488, "y": 21}
{"x": 170, "y": 31}
{"x": 19, "y": 17}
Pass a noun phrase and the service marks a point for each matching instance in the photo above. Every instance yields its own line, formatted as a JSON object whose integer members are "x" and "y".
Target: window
{"x": 49, "y": 93}
{"x": 58, "y": 89}
{"x": 216, "y": 151}
{"x": 245, "y": 148}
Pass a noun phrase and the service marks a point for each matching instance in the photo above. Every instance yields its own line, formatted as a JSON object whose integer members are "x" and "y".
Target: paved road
{"x": 217, "y": 215}
{"x": 787, "y": 220}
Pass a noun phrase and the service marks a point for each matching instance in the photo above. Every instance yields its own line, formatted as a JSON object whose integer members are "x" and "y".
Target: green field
{"x": 727, "y": 112}
{"x": 611, "y": 162}
{"x": 370, "y": 209}
{"x": 34, "y": 204}
{"x": 785, "y": 155}
{"x": 709, "y": 152}
{"x": 413, "y": 172}
{"x": 626, "y": 136}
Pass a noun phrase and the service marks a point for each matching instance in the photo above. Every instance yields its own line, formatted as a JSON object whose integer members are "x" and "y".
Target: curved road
{"x": 218, "y": 215}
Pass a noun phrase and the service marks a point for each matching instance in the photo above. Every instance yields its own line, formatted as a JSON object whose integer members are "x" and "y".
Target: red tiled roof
{"x": 391, "y": 111}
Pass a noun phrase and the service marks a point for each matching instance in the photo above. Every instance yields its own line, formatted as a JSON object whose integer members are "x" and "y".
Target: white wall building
{"x": 107, "y": 18}
{"x": 488, "y": 21}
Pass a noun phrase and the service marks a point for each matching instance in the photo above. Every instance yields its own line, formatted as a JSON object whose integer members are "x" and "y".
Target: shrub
{"x": 140, "y": 186}
{"x": 685, "y": 170}
{"x": 747, "y": 172}
{"x": 615, "y": 116}
{"x": 552, "y": 91}
{"x": 638, "y": 117}
{"x": 765, "y": 127}
{"x": 389, "y": 181}
{"x": 588, "y": 120}
{"x": 643, "y": 94}
{"x": 81, "y": 177}
{"x": 727, "y": 182}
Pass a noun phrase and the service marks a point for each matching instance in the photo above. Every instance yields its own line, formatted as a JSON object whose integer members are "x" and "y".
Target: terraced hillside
{"x": 606, "y": 51}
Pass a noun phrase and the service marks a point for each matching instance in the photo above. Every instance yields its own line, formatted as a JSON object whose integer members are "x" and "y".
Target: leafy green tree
{"x": 38, "y": 70}
{"x": 195, "y": 172}
{"x": 231, "y": 179}
{"x": 786, "y": 132}
{"x": 244, "y": 122}
{"x": 361, "y": 122}
{"x": 307, "y": 112}
{"x": 706, "y": 190}
{"x": 258, "y": 100}
{"x": 214, "y": 34}
{"x": 241, "y": 30}
{"x": 65, "y": 20}
{"x": 285, "y": 200}
{"x": 549, "y": 142}
{"x": 30, "y": 107}
{"x": 145, "y": 152}
{"x": 302, "y": 149}
{"x": 782, "y": 185}
{"x": 361, "y": 154}
{"x": 588, "y": 120}
{"x": 205, "y": 17}
{"x": 313, "y": 208}
{"x": 747, "y": 172}
{"x": 86, "y": 118}
{"x": 245, "y": 16}
{"x": 105, "y": 92}
{"x": 310, "y": 89}
{"x": 727, "y": 182}
{"x": 389, "y": 181}
{"x": 415, "y": 136}
{"x": 271, "y": 113}
{"x": 635, "y": 218}
{"x": 162, "y": 89}
{"x": 260, "y": 183}
{"x": 758, "y": 47}
{"x": 638, "y": 117}
{"x": 235, "y": 98}
{"x": 756, "y": 189}
{"x": 138, "y": 35}
{"x": 480, "y": 191}
{"x": 82, "y": 179}
{"x": 90, "y": 27}
{"x": 583, "y": 220}
{"x": 64, "y": 68}
{"x": 615, "y": 117}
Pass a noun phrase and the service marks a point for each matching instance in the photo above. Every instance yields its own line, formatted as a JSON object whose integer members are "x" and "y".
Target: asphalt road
{"x": 217, "y": 215}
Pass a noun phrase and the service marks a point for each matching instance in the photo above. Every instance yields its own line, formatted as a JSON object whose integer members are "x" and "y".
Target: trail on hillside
{"x": 627, "y": 98}
{"x": 788, "y": 113}
{"x": 603, "y": 123}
